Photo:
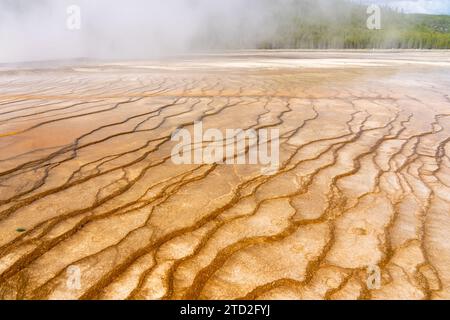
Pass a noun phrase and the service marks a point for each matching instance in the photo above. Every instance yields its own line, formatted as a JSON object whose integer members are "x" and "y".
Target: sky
{"x": 416, "y": 6}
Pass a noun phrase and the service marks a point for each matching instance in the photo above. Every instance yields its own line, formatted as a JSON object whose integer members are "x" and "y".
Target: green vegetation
{"x": 342, "y": 25}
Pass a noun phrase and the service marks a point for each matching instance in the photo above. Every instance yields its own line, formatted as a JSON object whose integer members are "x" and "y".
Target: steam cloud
{"x": 33, "y": 30}
{"x": 37, "y": 30}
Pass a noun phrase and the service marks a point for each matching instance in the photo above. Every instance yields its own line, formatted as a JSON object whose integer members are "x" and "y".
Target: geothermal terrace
{"x": 88, "y": 189}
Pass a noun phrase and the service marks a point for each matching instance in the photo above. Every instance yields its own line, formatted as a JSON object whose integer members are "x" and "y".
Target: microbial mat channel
{"x": 88, "y": 188}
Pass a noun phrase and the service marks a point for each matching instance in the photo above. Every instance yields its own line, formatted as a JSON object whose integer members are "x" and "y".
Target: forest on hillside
{"x": 339, "y": 24}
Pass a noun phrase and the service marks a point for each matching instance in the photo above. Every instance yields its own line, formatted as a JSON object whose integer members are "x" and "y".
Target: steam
{"x": 142, "y": 29}
{"x": 37, "y": 30}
